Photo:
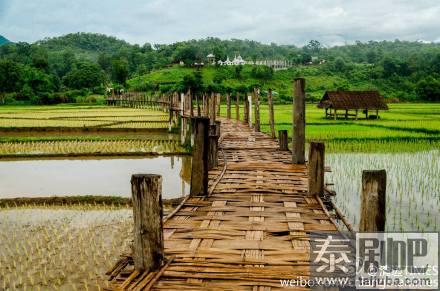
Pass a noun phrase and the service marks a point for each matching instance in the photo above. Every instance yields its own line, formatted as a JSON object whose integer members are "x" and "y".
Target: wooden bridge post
{"x": 228, "y": 106}
{"x": 148, "y": 251}
{"x": 299, "y": 122}
{"x": 237, "y": 106}
{"x": 316, "y": 168}
{"x": 208, "y": 105}
{"x": 373, "y": 203}
{"x": 218, "y": 128}
{"x": 199, "y": 172}
{"x": 191, "y": 105}
{"x": 283, "y": 140}
{"x": 257, "y": 109}
{"x": 170, "y": 112}
{"x": 250, "y": 110}
{"x": 213, "y": 109}
{"x": 213, "y": 147}
{"x": 199, "y": 113}
{"x": 271, "y": 114}
{"x": 218, "y": 103}
{"x": 204, "y": 107}
{"x": 246, "y": 110}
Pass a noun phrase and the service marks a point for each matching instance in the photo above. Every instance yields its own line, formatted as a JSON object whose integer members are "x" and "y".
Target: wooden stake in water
{"x": 316, "y": 168}
{"x": 148, "y": 251}
{"x": 373, "y": 207}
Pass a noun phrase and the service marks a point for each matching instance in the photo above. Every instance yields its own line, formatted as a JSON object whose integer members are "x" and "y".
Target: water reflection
{"x": 70, "y": 177}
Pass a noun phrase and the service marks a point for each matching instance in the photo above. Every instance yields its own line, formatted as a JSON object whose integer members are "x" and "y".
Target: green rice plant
{"x": 68, "y": 248}
{"x": 146, "y": 125}
{"x": 90, "y": 147}
{"x": 413, "y": 186}
{"x": 80, "y": 117}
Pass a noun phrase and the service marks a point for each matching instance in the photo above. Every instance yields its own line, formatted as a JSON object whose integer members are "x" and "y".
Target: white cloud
{"x": 281, "y": 21}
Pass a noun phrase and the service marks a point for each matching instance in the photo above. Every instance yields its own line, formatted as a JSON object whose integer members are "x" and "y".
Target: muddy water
{"x": 70, "y": 177}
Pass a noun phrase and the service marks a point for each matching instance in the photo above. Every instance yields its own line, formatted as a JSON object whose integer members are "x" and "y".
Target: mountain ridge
{"x": 3, "y": 40}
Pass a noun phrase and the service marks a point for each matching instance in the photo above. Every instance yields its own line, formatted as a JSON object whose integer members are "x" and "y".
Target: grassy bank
{"x": 80, "y": 201}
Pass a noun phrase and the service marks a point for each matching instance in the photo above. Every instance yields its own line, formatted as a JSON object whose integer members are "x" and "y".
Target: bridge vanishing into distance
{"x": 253, "y": 205}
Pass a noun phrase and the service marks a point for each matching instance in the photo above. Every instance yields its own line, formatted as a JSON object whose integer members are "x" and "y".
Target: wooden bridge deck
{"x": 248, "y": 234}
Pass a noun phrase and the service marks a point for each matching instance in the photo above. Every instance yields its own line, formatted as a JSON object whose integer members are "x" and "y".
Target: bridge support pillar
{"x": 257, "y": 109}
{"x": 199, "y": 172}
{"x": 148, "y": 251}
{"x": 316, "y": 168}
{"x": 271, "y": 114}
{"x": 373, "y": 201}
{"x": 283, "y": 140}
{"x": 299, "y": 122}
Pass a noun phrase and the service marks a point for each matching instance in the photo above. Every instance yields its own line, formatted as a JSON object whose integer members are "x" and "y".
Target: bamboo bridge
{"x": 247, "y": 222}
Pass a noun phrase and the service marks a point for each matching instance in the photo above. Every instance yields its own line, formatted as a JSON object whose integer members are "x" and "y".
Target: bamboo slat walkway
{"x": 248, "y": 234}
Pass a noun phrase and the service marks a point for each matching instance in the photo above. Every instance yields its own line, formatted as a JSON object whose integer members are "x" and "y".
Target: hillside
{"x": 319, "y": 79}
{"x": 3, "y": 40}
{"x": 86, "y": 45}
{"x": 88, "y": 62}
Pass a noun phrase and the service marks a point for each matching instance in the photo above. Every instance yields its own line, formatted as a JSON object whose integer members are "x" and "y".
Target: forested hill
{"x": 89, "y": 45}
{"x": 89, "y": 62}
{"x": 3, "y": 40}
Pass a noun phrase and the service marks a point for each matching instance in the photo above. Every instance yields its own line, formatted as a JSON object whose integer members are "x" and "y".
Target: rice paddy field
{"x": 23, "y": 117}
{"x": 71, "y": 247}
{"x": 413, "y": 187}
{"x": 405, "y": 141}
{"x": 401, "y": 124}
{"x": 65, "y": 248}
{"x": 66, "y": 130}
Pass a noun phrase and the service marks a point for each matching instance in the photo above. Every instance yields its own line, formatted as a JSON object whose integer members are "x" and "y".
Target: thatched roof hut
{"x": 352, "y": 100}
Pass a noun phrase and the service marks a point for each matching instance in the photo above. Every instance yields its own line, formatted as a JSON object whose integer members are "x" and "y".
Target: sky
{"x": 332, "y": 22}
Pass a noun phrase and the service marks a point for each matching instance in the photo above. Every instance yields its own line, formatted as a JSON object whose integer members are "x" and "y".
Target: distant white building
{"x": 238, "y": 60}
{"x": 211, "y": 59}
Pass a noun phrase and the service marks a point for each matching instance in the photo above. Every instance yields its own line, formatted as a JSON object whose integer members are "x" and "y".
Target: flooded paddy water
{"x": 71, "y": 247}
{"x": 61, "y": 248}
{"x": 93, "y": 176}
{"x": 413, "y": 187}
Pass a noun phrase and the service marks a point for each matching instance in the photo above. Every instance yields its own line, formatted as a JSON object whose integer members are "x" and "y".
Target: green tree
{"x": 429, "y": 89}
{"x": 105, "y": 62}
{"x": 238, "y": 70}
{"x": 120, "y": 71}
{"x": 85, "y": 74}
{"x": 313, "y": 46}
{"x": 187, "y": 54}
{"x": 40, "y": 59}
{"x": 262, "y": 72}
{"x": 339, "y": 65}
{"x": 37, "y": 84}
{"x": 10, "y": 76}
